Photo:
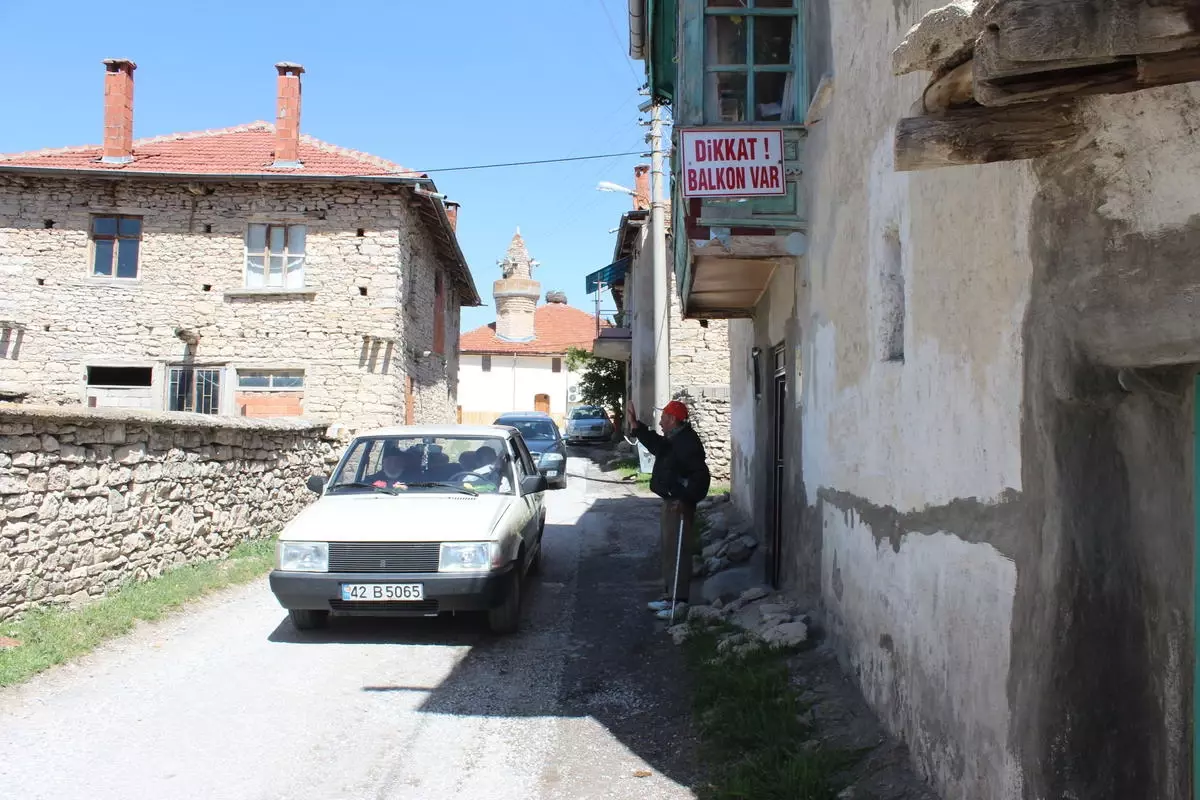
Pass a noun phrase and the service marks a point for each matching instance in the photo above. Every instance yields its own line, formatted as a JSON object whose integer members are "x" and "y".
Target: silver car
{"x": 589, "y": 424}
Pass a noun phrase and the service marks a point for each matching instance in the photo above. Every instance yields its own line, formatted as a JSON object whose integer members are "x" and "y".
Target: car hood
{"x": 416, "y": 517}
{"x": 541, "y": 445}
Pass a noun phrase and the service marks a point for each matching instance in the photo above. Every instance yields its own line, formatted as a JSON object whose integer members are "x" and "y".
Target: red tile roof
{"x": 243, "y": 150}
{"x": 557, "y": 326}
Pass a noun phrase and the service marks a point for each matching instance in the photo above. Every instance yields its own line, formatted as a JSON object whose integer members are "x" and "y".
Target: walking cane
{"x": 678, "y": 558}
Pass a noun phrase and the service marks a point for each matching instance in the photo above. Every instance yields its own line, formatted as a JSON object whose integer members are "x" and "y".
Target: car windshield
{"x": 534, "y": 430}
{"x": 587, "y": 413}
{"x": 442, "y": 464}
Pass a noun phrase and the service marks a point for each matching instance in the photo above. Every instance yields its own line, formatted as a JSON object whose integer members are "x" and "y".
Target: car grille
{"x": 413, "y": 607}
{"x": 383, "y": 556}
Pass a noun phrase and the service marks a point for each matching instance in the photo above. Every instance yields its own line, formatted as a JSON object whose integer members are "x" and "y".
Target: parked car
{"x": 544, "y": 440}
{"x": 416, "y": 521}
{"x": 589, "y": 424}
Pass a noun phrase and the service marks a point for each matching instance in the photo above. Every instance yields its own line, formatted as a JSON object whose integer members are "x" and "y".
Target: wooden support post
{"x": 985, "y": 135}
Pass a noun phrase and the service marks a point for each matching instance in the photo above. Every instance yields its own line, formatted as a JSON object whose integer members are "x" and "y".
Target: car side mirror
{"x": 532, "y": 484}
{"x": 316, "y": 483}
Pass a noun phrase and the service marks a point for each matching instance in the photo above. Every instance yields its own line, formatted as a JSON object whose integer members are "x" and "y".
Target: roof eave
{"x": 223, "y": 177}
{"x": 467, "y": 281}
{"x": 629, "y": 221}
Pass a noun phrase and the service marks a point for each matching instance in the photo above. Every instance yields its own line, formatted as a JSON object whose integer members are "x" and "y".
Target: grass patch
{"x": 754, "y": 740}
{"x": 50, "y": 636}
{"x": 628, "y": 468}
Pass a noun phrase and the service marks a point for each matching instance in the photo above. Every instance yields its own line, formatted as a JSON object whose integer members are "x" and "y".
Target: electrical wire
{"x": 527, "y": 163}
{"x": 612, "y": 26}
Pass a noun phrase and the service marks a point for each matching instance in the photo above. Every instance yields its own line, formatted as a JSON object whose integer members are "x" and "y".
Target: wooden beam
{"x": 1168, "y": 68}
{"x": 985, "y": 135}
{"x": 1048, "y": 80}
{"x": 1054, "y": 30}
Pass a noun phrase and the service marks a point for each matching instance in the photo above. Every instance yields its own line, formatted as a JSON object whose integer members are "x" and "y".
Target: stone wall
{"x": 709, "y": 410}
{"x": 346, "y": 328}
{"x": 90, "y": 499}
{"x": 700, "y": 377}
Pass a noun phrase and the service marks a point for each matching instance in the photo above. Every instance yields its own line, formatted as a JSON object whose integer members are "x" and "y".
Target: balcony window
{"x": 750, "y": 61}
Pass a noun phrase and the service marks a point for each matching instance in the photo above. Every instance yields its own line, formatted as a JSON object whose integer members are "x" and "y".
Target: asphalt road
{"x": 227, "y": 700}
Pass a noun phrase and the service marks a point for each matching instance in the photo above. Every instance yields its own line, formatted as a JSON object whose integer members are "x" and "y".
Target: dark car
{"x": 589, "y": 424}
{"x": 544, "y": 441}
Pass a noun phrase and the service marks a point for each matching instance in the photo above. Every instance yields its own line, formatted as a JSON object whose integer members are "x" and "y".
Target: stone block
{"x": 83, "y": 476}
{"x": 130, "y": 453}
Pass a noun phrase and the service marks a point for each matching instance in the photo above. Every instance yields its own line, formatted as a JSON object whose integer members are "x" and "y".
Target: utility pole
{"x": 658, "y": 240}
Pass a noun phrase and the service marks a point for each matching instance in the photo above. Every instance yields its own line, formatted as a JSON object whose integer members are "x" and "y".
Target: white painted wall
{"x": 926, "y": 626}
{"x": 512, "y": 383}
{"x": 945, "y": 605}
{"x": 742, "y": 410}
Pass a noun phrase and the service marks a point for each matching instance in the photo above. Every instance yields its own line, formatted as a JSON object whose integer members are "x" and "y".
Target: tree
{"x": 601, "y": 381}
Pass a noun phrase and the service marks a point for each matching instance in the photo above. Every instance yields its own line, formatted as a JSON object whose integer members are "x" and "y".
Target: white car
{"x": 416, "y": 521}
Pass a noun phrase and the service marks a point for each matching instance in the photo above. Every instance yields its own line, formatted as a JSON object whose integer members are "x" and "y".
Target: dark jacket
{"x": 680, "y": 468}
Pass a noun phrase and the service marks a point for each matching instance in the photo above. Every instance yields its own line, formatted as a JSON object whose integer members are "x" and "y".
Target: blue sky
{"x": 429, "y": 85}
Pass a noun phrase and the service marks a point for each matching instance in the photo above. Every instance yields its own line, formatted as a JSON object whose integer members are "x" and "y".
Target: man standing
{"x": 681, "y": 479}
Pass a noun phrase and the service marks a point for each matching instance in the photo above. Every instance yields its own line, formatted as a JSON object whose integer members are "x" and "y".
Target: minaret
{"x": 516, "y": 293}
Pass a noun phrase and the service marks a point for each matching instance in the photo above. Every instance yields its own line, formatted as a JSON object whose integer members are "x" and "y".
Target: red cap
{"x": 677, "y": 410}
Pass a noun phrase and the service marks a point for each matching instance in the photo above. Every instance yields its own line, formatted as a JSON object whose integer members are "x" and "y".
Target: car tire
{"x": 506, "y": 617}
{"x": 308, "y": 619}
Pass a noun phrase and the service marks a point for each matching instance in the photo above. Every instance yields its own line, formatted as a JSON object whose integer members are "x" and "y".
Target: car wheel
{"x": 506, "y": 617}
{"x": 307, "y": 619}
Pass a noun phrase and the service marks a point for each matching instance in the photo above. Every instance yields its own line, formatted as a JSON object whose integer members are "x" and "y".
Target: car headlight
{"x": 551, "y": 458}
{"x": 467, "y": 556}
{"x": 302, "y": 556}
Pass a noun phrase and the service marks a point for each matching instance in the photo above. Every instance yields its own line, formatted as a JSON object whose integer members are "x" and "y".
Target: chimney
{"x": 452, "y": 213}
{"x": 287, "y": 116}
{"x": 118, "y": 111}
{"x": 641, "y": 187}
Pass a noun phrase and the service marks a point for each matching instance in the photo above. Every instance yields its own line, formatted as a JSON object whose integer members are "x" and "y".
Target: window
{"x": 194, "y": 389}
{"x": 891, "y": 298}
{"x": 486, "y": 362}
{"x": 750, "y": 61}
{"x": 425, "y": 465}
{"x": 556, "y": 365}
{"x": 120, "y": 376}
{"x": 116, "y": 242}
{"x": 288, "y": 380}
{"x": 275, "y": 256}
{"x": 439, "y": 314}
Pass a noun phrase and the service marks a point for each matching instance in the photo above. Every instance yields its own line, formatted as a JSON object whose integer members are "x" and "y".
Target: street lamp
{"x": 609, "y": 186}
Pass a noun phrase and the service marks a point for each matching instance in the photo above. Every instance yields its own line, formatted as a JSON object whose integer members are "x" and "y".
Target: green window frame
{"x": 753, "y": 51}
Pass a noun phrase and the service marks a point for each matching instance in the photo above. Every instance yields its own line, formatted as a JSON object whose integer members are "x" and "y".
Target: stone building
{"x": 519, "y": 362}
{"x": 699, "y": 349}
{"x": 250, "y": 271}
{"x": 964, "y": 349}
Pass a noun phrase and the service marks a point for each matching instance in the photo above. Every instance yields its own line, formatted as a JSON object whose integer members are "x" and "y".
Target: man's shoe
{"x": 680, "y": 612}
{"x": 658, "y": 605}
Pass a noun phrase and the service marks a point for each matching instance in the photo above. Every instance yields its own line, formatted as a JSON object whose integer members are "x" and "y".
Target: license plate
{"x": 383, "y": 592}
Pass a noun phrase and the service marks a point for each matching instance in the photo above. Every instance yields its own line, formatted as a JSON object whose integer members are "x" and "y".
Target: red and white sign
{"x": 723, "y": 162}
